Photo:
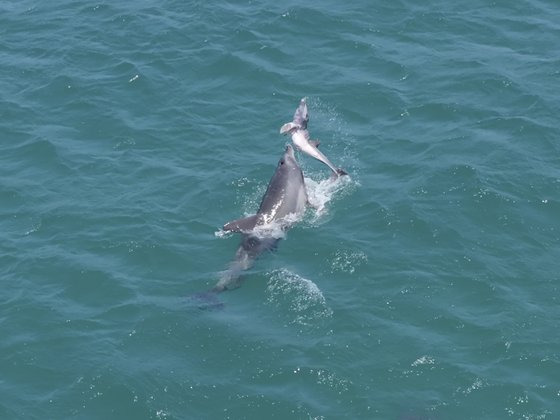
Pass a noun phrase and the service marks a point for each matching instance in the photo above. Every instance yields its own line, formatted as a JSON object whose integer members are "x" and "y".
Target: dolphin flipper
{"x": 244, "y": 224}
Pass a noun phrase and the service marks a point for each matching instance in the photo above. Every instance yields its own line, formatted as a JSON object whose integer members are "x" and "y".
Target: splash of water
{"x": 320, "y": 193}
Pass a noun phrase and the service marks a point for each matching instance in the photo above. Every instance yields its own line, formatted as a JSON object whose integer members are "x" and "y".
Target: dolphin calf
{"x": 300, "y": 136}
{"x": 282, "y": 204}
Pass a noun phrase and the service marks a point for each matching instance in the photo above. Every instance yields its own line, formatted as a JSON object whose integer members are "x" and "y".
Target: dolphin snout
{"x": 289, "y": 152}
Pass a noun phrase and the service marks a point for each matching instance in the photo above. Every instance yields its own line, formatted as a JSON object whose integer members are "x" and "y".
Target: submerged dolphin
{"x": 300, "y": 136}
{"x": 283, "y": 203}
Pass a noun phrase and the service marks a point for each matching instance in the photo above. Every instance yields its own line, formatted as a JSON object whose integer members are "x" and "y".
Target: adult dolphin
{"x": 300, "y": 136}
{"x": 282, "y": 204}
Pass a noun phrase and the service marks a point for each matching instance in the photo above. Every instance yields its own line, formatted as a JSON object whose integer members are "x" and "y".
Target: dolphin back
{"x": 285, "y": 195}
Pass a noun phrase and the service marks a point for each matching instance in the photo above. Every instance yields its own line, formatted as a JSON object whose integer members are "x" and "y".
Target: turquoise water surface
{"x": 425, "y": 288}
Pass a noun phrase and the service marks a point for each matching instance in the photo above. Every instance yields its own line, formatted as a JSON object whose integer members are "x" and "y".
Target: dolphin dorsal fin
{"x": 244, "y": 224}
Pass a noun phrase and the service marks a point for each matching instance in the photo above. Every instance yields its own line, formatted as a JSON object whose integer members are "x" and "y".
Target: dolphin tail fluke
{"x": 242, "y": 225}
{"x": 286, "y": 128}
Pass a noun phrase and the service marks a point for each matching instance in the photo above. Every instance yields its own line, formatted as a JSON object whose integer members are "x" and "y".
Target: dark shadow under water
{"x": 250, "y": 248}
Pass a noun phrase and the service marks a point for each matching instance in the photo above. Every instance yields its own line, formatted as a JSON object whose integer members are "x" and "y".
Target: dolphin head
{"x": 288, "y": 160}
{"x": 289, "y": 157}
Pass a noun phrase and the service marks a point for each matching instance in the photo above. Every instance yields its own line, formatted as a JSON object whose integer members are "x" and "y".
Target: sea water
{"x": 424, "y": 286}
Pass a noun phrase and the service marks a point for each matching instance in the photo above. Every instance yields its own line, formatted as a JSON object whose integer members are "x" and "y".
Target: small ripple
{"x": 303, "y": 298}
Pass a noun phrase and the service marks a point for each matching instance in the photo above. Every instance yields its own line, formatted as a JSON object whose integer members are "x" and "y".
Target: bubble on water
{"x": 347, "y": 261}
{"x": 34, "y": 228}
{"x": 424, "y": 360}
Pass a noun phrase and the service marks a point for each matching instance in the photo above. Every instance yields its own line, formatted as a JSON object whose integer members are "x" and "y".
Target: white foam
{"x": 269, "y": 230}
{"x": 321, "y": 193}
{"x": 221, "y": 233}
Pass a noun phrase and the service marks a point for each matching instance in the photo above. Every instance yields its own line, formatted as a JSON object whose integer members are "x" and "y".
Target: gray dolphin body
{"x": 283, "y": 202}
{"x": 300, "y": 136}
